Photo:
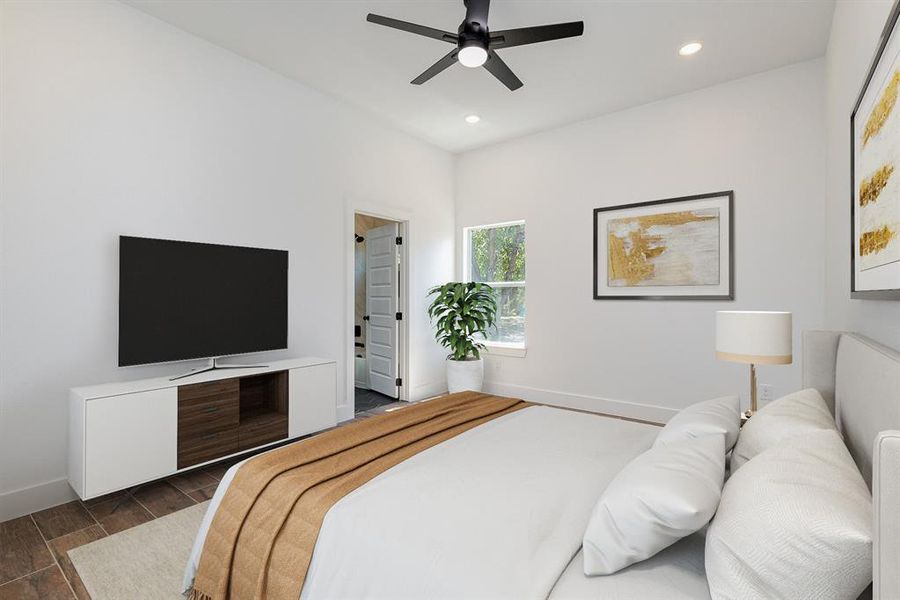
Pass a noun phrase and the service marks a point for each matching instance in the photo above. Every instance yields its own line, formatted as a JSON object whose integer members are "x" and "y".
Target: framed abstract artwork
{"x": 875, "y": 175}
{"x": 674, "y": 249}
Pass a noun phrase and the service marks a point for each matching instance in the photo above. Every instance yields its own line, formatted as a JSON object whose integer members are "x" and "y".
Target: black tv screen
{"x": 184, "y": 300}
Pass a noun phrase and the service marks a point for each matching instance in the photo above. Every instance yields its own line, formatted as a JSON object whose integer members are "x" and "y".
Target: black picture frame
{"x": 880, "y": 294}
{"x": 721, "y": 297}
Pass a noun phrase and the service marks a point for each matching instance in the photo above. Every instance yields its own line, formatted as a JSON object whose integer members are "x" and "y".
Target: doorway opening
{"x": 378, "y": 312}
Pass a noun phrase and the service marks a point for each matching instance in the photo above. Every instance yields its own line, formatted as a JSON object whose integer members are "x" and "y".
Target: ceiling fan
{"x": 476, "y": 44}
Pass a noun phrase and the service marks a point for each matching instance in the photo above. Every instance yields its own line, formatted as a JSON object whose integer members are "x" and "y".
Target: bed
{"x": 499, "y": 511}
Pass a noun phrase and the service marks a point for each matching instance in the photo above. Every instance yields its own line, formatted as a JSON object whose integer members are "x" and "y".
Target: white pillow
{"x": 661, "y": 496}
{"x": 719, "y": 415}
{"x": 795, "y": 522}
{"x": 798, "y": 413}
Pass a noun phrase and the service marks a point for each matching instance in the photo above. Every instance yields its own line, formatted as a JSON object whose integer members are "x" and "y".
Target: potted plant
{"x": 460, "y": 313}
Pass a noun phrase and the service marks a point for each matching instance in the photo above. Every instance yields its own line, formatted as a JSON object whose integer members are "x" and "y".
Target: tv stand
{"x": 215, "y": 366}
{"x": 127, "y": 433}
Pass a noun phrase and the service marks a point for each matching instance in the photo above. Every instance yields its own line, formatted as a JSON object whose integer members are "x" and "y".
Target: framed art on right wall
{"x": 875, "y": 175}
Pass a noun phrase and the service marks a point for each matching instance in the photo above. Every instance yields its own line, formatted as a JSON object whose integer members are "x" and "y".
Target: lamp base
{"x": 752, "y": 388}
{"x": 745, "y": 416}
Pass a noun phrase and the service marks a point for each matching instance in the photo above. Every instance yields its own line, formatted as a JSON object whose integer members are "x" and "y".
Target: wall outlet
{"x": 766, "y": 393}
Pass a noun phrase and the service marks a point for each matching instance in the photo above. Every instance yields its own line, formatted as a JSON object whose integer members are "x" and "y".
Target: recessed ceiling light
{"x": 472, "y": 119}
{"x": 690, "y": 48}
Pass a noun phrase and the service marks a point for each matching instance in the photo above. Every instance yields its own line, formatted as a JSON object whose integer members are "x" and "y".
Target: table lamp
{"x": 753, "y": 337}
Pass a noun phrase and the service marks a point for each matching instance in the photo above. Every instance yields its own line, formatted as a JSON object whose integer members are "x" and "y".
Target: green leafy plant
{"x": 460, "y": 312}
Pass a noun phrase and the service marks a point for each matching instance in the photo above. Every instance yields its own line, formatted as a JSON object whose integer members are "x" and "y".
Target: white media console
{"x": 125, "y": 434}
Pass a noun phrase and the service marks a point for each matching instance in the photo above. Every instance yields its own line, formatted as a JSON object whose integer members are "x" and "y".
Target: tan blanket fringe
{"x": 262, "y": 537}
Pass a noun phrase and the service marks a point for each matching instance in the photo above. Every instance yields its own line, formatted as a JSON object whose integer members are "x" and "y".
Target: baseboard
{"x": 18, "y": 503}
{"x": 621, "y": 408}
{"x": 428, "y": 390}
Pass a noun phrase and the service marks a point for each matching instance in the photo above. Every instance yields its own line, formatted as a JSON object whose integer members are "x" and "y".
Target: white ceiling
{"x": 627, "y": 56}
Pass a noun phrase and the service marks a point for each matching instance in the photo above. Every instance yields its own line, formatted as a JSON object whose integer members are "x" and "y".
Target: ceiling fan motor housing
{"x": 473, "y": 33}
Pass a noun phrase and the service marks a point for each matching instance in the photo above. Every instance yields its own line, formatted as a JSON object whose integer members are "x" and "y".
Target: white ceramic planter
{"x": 465, "y": 375}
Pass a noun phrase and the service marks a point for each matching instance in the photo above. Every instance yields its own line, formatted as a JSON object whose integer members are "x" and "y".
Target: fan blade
{"x": 437, "y": 34}
{"x": 534, "y": 35}
{"x": 445, "y": 62}
{"x": 501, "y": 71}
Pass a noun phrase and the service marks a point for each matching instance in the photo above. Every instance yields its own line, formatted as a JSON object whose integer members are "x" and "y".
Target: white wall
{"x": 116, "y": 123}
{"x": 761, "y": 136}
{"x": 855, "y": 32}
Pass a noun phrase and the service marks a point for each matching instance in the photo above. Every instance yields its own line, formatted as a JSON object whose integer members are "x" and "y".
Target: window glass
{"x": 496, "y": 255}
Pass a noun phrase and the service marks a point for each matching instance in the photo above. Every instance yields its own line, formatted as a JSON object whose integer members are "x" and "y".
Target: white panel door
{"x": 382, "y": 290}
{"x": 312, "y": 403}
{"x": 130, "y": 439}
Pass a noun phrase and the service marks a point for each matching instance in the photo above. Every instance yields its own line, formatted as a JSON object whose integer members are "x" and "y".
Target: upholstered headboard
{"x": 860, "y": 379}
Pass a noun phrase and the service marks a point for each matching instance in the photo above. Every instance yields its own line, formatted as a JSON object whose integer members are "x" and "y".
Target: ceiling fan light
{"x": 472, "y": 56}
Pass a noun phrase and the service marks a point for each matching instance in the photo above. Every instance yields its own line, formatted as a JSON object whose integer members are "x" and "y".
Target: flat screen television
{"x": 187, "y": 300}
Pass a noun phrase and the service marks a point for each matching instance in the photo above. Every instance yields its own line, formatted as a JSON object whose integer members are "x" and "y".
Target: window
{"x": 495, "y": 254}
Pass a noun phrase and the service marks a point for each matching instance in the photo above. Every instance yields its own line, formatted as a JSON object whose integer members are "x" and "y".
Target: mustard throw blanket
{"x": 262, "y": 537}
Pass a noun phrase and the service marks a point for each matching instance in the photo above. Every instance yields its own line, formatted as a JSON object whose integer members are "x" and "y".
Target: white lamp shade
{"x": 757, "y": 337}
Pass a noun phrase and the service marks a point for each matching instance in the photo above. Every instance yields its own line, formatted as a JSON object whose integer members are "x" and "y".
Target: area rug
{"x": 142, "y": 563}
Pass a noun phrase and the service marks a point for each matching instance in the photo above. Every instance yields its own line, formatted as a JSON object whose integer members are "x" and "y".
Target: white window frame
{"x": 496, "y": 348}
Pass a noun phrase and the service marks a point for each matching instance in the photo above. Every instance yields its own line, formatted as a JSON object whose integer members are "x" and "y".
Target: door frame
{"x": 404, "y": 219}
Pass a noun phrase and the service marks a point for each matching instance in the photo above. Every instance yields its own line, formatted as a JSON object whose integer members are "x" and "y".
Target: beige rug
{"x": 142, "y": 563}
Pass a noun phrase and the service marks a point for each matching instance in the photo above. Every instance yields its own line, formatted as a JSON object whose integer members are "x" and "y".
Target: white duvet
{"x": 496, "y": 512}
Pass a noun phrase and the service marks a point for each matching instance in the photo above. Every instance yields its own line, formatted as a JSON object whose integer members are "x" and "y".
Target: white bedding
{"x": 496, "y": 512}
{"x": 676, "y": 573}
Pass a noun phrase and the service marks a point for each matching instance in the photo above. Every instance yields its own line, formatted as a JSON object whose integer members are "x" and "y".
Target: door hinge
{"x": 399, "y": 382}
{"x": 399, "y": 316}
{"x": 398, "y": 240}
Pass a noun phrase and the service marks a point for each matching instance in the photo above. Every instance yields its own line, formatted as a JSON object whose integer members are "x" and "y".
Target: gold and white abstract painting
{"x": 668, "y": 248}
{"x": 878, "y": 186}
{"x": 680, "y": 247}
{"x": 876, "y": 175}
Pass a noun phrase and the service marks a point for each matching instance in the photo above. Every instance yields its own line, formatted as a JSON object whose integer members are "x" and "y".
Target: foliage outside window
{"x": 495, "y": 254}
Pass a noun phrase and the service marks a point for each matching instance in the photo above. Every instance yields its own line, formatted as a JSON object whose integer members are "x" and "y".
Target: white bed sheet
{"x": 676, "y": 573}
{"x": 496, "y": 512}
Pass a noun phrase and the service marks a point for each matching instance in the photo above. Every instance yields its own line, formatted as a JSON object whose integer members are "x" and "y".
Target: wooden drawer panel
{"x": 207, "y": 407}
{"x": 262, "y": 429}
{"x": 210, "y": 388}
{"x": 207, "y": 446}
{"x": 208, "y": 417}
